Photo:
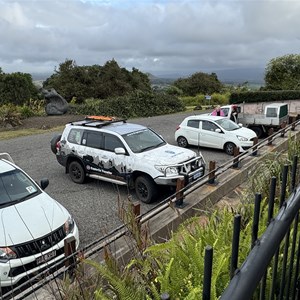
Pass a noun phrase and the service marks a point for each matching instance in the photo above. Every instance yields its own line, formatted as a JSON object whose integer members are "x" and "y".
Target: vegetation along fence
{"x": 270, "y": 271}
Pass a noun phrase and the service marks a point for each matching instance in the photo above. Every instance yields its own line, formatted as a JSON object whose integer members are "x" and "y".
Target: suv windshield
{"x": 143, "y": 140}
{"x": 15, "y": 186}
{"x": 227, "y": 124}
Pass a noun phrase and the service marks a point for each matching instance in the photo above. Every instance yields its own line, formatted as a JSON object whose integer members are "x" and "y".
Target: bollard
{"x": 179, "y": 193}
{"x": 270, "y": 139}
{"x": 136, "y": 208}
{"x": 212, "y": 174}
{"x": 255, "y": 142}
{"x": 283, "y": 125}
{"x": 236, "y": 152}
{"x": 70, "y": 249}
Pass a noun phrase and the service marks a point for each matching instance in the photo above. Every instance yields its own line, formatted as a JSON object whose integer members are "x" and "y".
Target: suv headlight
{"x": 241, "y": 138}
{"x": 6, "y": 254}
{"x": 69, "y": 225}
{"x": 166, "y": 170}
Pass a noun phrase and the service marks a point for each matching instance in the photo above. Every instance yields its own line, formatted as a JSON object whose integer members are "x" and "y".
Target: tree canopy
{"x": 283, "y": 73}
{"x": 199, "y": 83}
{"x": 96, "y": 81}
{"x": 16, "y": 88}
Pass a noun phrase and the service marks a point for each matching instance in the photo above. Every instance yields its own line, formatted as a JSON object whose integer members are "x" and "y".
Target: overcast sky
{"x": 160, "y": 37}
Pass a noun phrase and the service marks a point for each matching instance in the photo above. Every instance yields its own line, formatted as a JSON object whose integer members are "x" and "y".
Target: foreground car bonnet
{"x": 168, "y": 155}
{"x": 17, "y": 224}
{"x": 245, "y": 132}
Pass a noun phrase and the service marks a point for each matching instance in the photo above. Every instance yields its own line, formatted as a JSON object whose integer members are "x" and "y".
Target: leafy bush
{"x": 9, "y": 115}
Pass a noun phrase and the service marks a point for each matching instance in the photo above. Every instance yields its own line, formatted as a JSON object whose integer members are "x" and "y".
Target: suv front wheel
{"x": 145, "y": 188}
{"x": 76, "y": 172}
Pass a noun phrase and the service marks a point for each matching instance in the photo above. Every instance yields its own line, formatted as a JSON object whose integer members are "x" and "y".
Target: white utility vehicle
{"x": 274, "y": 115}
{"x": 124, "y": 153}
{"x": 33, "y": 226}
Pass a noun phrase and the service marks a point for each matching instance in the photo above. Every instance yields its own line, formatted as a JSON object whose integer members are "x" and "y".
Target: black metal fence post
{"x": 271, "y": 199}
{"x": 256, "y": 219}
{"x": 208, "y": 260}
{"x": 235, "y": 244}
{"x": 283, "y": 184}
{"x": 294, "y": 172}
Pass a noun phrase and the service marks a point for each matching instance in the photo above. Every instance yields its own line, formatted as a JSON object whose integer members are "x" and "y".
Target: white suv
{"x": 124, "y": 153}
{"x": 33, "y": 226}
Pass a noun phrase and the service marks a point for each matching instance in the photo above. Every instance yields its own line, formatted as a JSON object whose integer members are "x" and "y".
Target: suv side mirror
{"x": 44, "y": 183}
{"x": 120, "y": 150}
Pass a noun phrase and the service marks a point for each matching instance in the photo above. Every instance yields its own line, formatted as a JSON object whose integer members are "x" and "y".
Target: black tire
{"x": 53, "y": 143}
{"x": 76, "y": 172}
{"x": 145, "y": 189}
{"x": 259, "y": 132}
{"x": 182, "y": 142}
{"x": 229, "y": 148}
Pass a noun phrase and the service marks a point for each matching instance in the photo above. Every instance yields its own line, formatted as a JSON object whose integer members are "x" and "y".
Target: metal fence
{"x": 247, "y": 278}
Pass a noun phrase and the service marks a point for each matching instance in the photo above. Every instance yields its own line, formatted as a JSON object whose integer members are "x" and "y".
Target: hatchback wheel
{"x": 182, "y": 142}
{"x": 229, "y": 148}
{"x": 76, "y": 172}
{"x": 145, "y": 189}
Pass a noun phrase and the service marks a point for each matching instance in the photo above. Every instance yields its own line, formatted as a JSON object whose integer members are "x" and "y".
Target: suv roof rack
{"x": 93, "y": 121}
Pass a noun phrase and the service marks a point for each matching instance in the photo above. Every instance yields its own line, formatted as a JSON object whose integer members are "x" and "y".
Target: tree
{"x": 16, "y": 88}
{"x": 199, "y": 83}
{"x": 283, "y": 73}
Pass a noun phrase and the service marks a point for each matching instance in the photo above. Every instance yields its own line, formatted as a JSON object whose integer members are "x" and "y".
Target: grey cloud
{"x": 153, "y": 36}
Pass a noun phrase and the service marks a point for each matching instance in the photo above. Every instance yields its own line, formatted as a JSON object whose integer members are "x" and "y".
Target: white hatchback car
{"x": 214, "y": 132}
{"x": 33, "y": 226}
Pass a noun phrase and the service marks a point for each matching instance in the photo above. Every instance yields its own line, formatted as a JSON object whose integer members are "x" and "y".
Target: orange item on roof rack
{"x": 100, "y": 118}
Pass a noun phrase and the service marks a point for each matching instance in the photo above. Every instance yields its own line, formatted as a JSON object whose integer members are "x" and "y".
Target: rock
{"x": 55, "y": 103}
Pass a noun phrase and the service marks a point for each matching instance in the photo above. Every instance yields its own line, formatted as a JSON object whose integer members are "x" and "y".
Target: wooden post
{"x": 212, "y": 175}
{"x": 236, "y": 152}
{"x": 255, "y": 141}
{"x": 70, "y": 249}
{"x": 270, "y": 139}
{"x": 179, "y": 193}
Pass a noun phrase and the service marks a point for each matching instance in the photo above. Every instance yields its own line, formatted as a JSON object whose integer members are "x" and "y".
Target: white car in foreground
{"x": 214, "y": 132}
{"x": 33, "y": 226}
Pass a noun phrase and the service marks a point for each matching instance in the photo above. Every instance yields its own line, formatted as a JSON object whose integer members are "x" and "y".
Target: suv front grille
{"x": 189, "y": 167}
{"x": 39, "y": 245}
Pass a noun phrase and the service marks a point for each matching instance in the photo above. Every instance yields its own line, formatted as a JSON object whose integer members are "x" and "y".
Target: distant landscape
{"x": 254, "y": 76}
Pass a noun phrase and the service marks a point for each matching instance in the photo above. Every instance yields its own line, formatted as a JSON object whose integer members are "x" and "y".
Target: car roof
{"x": 205, "y": 117}
{"x": 121, "y": 127}
{"x": 5, "y": 166}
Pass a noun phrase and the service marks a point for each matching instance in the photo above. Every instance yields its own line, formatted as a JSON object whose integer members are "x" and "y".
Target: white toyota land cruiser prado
{"x": 124, "y": 153}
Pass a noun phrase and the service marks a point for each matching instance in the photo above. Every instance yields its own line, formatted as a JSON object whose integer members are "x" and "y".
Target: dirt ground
{"x": 47, "y": 122}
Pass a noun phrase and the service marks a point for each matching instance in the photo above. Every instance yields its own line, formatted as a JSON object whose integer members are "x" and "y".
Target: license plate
{"x": 196, "y": 175}
{"x": 46, "y": 257}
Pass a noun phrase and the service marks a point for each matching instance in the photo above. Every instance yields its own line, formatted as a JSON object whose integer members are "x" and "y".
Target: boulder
{"x": 55, "y": 103}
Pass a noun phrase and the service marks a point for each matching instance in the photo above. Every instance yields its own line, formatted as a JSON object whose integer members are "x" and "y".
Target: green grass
{"x": 11, "y": 134}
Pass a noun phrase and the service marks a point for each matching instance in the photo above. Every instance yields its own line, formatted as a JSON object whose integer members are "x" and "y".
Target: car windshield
{"x": 227, "y": 124}
{"x": 143, "y": 140}
{"x": 15, "y": 186}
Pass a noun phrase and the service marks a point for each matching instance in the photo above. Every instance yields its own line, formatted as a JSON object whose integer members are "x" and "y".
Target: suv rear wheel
{"x": 76, "y": 172}
{"x": 145, "y": 188}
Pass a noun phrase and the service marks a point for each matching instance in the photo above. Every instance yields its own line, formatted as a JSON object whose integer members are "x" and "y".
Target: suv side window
{"x": 111, "y": 142}
{"x": 75, "y": 136}
{"x": 92, "y": 139}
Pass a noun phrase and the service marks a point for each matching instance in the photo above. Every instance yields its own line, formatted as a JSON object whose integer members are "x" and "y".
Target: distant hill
{"x": 229, "y": 76}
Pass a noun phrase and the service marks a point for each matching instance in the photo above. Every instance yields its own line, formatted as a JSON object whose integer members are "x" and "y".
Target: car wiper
{"x": 148, "y": 148}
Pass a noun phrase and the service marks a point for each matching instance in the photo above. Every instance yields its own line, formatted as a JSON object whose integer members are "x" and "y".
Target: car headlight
{"x": 241, "y": 138}
{"x": 167, "y": 170}
{"x": 69, "y": 225}
{"x": 6, "y": 254}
